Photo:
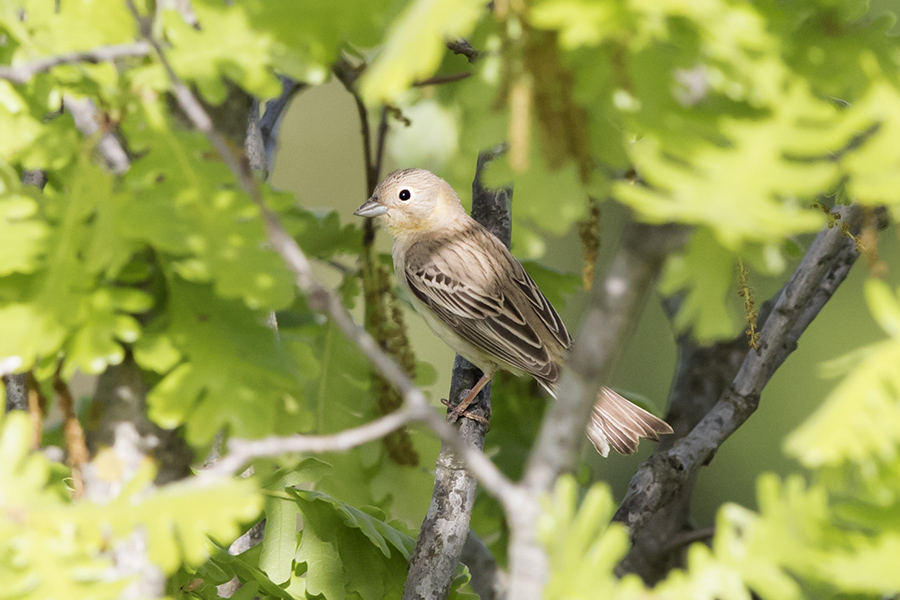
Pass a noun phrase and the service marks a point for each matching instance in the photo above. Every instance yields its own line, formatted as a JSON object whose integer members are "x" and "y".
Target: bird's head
{"x": 413, "y": 201}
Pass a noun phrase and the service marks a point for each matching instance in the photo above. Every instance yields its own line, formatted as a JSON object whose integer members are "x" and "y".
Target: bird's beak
{"x": 371, "y": 208}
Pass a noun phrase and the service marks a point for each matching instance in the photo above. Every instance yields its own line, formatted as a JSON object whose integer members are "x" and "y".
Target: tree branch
{"x": 271, "y": 119}
{"x": 614, "y": 310}
{"x": 347, "y": 74}
{"x": 488, "y": 580}
{"x": 241, "y": 452}
{"x": 439, "y": 79}
{"x": 446, "y": 525}
{"x": 21, "y": 74}
{"x": 615, "y": 307}
{"x": 821, "y": 271}
{"x": 463, "y": 47}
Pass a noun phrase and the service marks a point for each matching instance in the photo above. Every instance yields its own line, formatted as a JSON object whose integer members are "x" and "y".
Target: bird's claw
{"x": 460, "y": 411}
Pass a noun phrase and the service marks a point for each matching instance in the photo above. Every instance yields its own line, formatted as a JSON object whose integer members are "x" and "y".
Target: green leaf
{"x": 735, "y": 189}
{"x": 225, "y": 45}
{"x": 234, "y": 373}
{"x": 349, "y": 551}
{"x": 321, "y": 234}
{"x": 252, "y": 578}
{"x": 580, "y": 22}
{"x": 582, "y": 545}
{"x": 340, "y": 398}
{"x": 307, "y": 38}
{"x": 860, "y": 420}
{"x": 884, "y": 306}
{"x": 189, "y": 210}
{"x": 872, "y": 166}
{"x": 415, "y": 45}
{"x": 22, "y": 235}
{"x": 385, "y": 537}
{"x": 51, "y": 546}
{"x": 70, "y": 301}
{"x": 280, "y": 538}
{"x": 703, "y": 273}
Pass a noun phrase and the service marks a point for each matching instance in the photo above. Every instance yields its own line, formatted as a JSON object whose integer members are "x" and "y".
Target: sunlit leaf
{"x": 415, "y": 44}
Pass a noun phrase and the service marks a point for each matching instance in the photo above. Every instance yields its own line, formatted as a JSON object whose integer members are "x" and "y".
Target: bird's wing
{"x": 542, "y": 307}
{"x": 490, "y": 301}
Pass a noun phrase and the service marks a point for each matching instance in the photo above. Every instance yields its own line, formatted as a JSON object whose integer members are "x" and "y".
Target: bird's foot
{"x": 460, "y": 411}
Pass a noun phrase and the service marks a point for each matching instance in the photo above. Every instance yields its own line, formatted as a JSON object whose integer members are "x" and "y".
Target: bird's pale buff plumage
{"x": 478, "y": 298}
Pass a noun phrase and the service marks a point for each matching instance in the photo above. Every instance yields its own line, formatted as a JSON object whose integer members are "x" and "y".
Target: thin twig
{"x": 463, "y": 47}
{"x": 21, "y": 74}
{"x": 439, "y": 79}
{"x": 323, "y": 300}
{"x": 380, "y": 142}
{"x": 241, "y": 452}
{"x": 347, "y": 74}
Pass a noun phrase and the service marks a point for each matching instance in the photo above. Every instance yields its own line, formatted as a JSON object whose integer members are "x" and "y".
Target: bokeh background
{"x": 320, "y": 160}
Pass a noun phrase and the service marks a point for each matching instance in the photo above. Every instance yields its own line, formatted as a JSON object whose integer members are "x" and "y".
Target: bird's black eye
{"x": 405, "y": 195}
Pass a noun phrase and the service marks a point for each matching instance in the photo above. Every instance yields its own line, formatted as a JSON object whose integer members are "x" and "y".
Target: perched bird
{"x": 478, "y": 298}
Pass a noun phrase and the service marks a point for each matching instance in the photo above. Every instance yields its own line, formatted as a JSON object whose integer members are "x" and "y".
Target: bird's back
{"x": 470, "y": 282}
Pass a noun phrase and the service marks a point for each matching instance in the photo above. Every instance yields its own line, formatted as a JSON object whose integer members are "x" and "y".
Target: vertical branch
{"x": 271, "y": 119}
{"x": 380, "y": 140}
{"x": 446, "y": 525}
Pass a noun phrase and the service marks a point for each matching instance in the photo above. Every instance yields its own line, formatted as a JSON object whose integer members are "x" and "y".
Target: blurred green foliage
{"x": 803, "y": 543}
{"x": 728, "y": 116}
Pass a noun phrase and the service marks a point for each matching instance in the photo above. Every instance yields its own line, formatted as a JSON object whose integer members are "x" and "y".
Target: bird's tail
{"x": 618, "y": 423}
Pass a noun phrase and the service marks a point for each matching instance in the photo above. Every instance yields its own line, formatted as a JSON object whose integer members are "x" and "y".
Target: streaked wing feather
{"x": 542, "y": 307}
{"x": 488, "y": 321}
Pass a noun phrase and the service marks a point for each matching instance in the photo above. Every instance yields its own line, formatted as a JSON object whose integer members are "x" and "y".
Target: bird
{"x": 478, "y": 298}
